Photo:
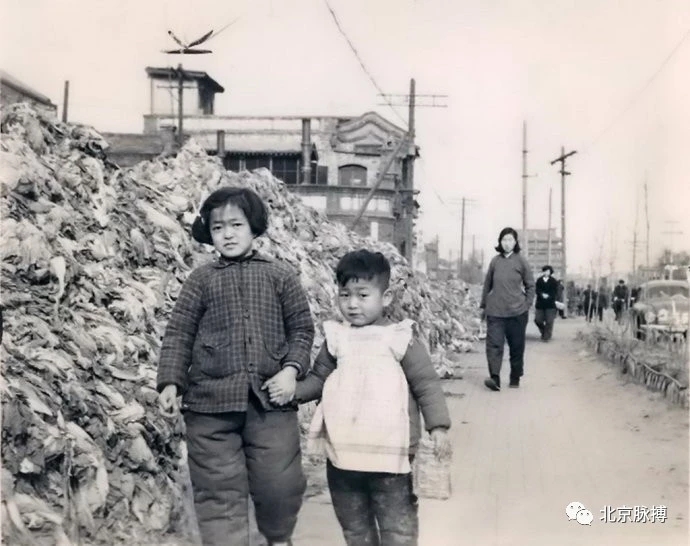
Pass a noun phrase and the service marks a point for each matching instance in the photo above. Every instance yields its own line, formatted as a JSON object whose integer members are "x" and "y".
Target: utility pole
{"x": 65, "y": 102}
{"x": 564, "y": 173}
{"x": 548, "y": 251}
{"x": 613, "y": 254}
{"x": 463, "y": 203}
{"x": 646, "y": 213}
{"x": 180, "y": 107}
{"x": 672, "y": 233}
{"x": 462, "y": 236}
{"x": 382, "y": 173}
{"x": 409, "y": 212}
{"x": 636, "y": 243}
{"x": 403, "y": 227}
{"x": 525, "y": 176}
{"x": 637, "y": 214}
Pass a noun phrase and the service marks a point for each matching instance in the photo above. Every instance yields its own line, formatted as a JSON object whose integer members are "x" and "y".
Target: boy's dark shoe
{"x": 493, "y": 383}
{"x": 514, "y": 383}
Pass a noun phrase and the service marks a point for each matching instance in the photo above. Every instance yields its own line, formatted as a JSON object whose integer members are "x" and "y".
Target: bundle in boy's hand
{"x": 431, "y": 473}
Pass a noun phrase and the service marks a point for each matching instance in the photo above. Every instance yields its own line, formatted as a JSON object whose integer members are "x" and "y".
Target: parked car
{"x": 661, "y": 306}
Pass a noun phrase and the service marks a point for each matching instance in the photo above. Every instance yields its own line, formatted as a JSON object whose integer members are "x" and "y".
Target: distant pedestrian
{"x": 620, "y": 299}
{"x": 589, "y": 298}
{"x": 506, "y": 299}
{"x": 559, "y": 298}
{"x": 602, "y": 303}
{"x": 545, "y": 308}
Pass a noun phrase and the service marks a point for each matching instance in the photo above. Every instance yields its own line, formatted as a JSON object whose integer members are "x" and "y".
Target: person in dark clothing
{"x": 507, "y": 297}
{"x": 602, "y": 303}
{"x": 634, "y": 293}
{"x": 620, "y": 299}
{"x": 559, "y": 298}
{"x": 589, "y": 298}
{"x": 545, "y": 308}
{"x": 237, "y": 340}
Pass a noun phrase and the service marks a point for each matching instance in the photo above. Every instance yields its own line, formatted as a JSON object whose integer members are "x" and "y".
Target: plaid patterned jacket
{"x": 235, "y": 324}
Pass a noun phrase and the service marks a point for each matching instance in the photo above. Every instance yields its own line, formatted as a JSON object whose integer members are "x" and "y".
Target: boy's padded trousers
{"x": 234, "y": 454}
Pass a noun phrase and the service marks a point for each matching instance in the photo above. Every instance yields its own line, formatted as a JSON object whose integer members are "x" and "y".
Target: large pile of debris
{"x": 92, "y": 259}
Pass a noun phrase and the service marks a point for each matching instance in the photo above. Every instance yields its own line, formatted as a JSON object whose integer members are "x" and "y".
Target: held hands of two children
{"x": 442, "y": 447}
{"x": 167, "y": 401}
{"x": 281, "y": 387}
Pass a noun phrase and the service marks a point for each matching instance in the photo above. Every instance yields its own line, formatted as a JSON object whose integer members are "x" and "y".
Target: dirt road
{"x": 573, "y": 432}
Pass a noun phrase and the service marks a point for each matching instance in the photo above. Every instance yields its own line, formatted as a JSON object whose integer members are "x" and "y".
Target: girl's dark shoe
{"x": 514, "y": 383}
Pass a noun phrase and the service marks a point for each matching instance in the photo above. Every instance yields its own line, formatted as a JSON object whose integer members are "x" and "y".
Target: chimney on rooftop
{"x": 306, "y": 151}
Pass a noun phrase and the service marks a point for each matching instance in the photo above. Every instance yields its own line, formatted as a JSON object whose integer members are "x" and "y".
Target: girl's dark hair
{"x": 547, "y": 267}
{"x": 508, "y": 231}
{"x": 364, "y": 265}
{"x": 244, "y": 199}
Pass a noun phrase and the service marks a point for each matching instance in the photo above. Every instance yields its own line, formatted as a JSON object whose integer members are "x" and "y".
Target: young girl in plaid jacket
{"x": 238, "y": 338}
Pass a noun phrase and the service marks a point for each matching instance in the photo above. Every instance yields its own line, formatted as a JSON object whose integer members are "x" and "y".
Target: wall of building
{"x": 340, "y": 203}
{"x": 165, "y": 95}
{"x": 10, "y": 95}
{"x": 128, "y": 149}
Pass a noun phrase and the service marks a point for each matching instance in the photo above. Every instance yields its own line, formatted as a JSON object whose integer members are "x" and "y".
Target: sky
{"x": 606, "y": 78}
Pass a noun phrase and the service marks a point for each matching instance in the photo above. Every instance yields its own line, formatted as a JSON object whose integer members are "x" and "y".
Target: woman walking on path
{"x": 506, "y": 299}
{"x": 545, "y": 308}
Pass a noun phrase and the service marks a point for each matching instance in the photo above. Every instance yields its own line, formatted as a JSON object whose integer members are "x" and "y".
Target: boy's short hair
{"x": 547, "y": 267}
{"x": 244, "y": 199}
{"x": 364, "y": 265}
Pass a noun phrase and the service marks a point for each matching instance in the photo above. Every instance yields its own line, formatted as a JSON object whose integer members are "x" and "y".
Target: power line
{"x": 361, "y": 62}
{"x": 637, "y": 95}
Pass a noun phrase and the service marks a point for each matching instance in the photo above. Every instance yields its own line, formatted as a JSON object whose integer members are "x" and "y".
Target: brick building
{"x": 13, "y": 91}
{"x": 331, "y": 162}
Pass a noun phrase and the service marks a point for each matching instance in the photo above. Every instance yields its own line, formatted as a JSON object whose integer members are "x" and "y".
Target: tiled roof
{"x": 13, "y": 82}
{"x": 171, "y": 73}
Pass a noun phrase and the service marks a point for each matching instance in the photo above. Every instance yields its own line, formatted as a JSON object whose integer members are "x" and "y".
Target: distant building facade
{"x": 13, "y": 91}
{"x": 331, "y": 162}
{"x": 537, "y": 250}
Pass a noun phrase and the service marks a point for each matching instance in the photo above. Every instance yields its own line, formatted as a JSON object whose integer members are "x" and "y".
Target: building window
{"x": 354, "y": 203}
{"x": 374, "y": 231}
{"x": 317, "y": 202}
{"x": 232, "y": 164}
{"x": 352, "y": 175}
{"x": 380, "y": 204}
{"x": 257, "y": 162}
{"x": 286, "y": 169}
{"x": 319, "y": 174}
{"x": 206, "y": 97}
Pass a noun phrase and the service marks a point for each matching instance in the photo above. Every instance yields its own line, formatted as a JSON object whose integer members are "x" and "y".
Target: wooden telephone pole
{"x": 672, "y": 232}
{"x": 65, "y": 102}
{"x": 548, "y": 251}
{"x": 463, "y": 203}
{"x": 525, "y": 176}
{"x": 405, "y": 192}
{"x": 564, "y": 173}
{"x": 646, "y": 214}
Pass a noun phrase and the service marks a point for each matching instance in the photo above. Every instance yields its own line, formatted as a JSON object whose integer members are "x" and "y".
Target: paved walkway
{"x": 574, "y": 431}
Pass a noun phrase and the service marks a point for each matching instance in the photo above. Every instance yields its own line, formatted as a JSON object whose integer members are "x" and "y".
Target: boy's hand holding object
{"x": 442, "y": 447}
